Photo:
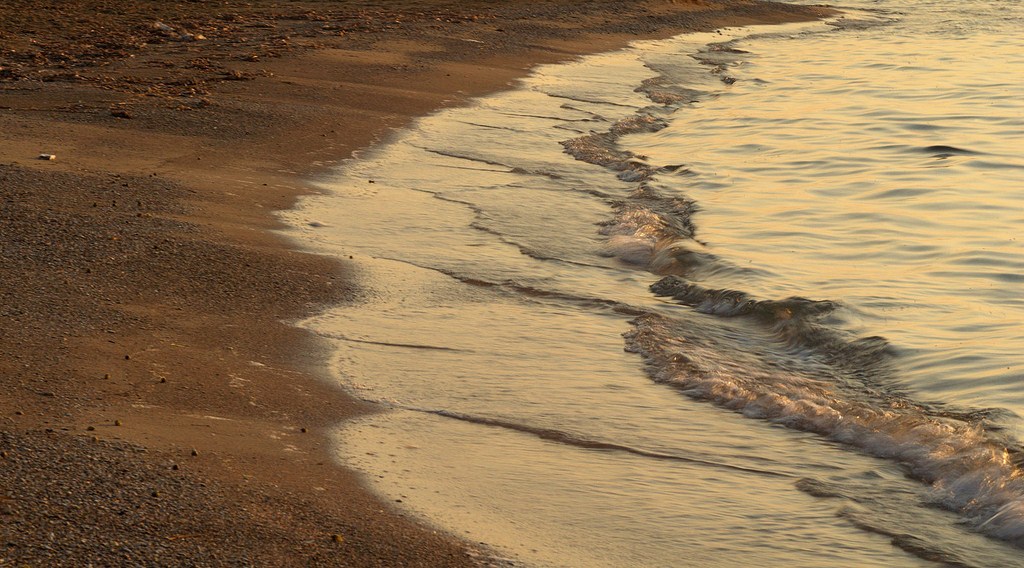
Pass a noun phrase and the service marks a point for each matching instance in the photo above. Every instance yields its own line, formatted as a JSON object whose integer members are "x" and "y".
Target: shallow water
{"x": 722, "y": 299}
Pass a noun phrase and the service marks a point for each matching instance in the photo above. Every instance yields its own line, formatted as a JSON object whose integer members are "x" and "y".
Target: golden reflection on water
{"x": 478, "y": 300}
{"x": 846, "y": 174}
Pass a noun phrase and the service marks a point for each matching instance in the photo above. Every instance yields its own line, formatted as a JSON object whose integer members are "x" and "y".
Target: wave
{"x": 786, "y": 361}
{"x": 600, "y": 148}
{"x": 794, "y": 322}
{"x": 649, "y": 230}
{"x": 972, "y": 470}
{"x": 665, "y": 92}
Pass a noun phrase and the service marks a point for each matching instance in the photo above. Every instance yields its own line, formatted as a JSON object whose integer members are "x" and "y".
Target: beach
{"x": 159, "y": 407}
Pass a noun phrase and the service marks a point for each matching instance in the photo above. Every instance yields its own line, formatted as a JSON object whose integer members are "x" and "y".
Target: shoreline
{"x": 158, "y": 409}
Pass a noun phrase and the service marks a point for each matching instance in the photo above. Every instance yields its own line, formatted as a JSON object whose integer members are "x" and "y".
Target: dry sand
{"x": 155, "y": 406}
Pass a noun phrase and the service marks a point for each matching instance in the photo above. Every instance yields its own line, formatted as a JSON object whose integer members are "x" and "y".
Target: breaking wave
{"x": 971, "y": 469}
{"x": 787, "y": 361}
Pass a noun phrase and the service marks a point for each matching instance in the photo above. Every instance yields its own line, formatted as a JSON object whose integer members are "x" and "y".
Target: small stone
{"x": 19, "y": 413}
{"x": 127, "y": 357}
{"x": 303, "y": 430}
{"x": 4, "y": 454}
{"x": 90, "y": 429}
{"x": 106, "y": 376}
{"x": 120, "y": 113}
{"x": 50, "y": 157}
{"x": 195, "y": 452}
{"x": 117, "y": 422}
{"x": 163, "y": 379}
{"x": 156, "y": 494}
{"x": 175, "y": 467}
{"x": 338, "y": 538}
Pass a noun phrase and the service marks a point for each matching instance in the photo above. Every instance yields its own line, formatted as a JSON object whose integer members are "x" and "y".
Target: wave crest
{"x": 971, "y": 469}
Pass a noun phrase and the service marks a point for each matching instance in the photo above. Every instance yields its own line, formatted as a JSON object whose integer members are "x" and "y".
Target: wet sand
{"x": 157, "y": 408}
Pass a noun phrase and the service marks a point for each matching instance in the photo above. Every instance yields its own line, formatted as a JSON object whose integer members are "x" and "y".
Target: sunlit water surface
{"x": 750, "y": 297}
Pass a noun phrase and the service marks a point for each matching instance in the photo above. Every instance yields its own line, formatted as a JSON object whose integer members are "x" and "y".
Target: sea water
{"x": 744, "y": 297}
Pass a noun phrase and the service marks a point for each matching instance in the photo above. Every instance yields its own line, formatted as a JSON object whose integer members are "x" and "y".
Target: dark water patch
{"x": 943, "y": 151}
{"x": 920, "y": 127}
{"x": 988, "y": 259}
{"x": 900, "y": 193}
{"x": 994, "y": 166}
{"x": 1004, "y": 277}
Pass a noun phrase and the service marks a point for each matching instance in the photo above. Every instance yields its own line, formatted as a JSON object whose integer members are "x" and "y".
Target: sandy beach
{"x": 157, "y": 406}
